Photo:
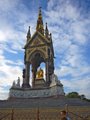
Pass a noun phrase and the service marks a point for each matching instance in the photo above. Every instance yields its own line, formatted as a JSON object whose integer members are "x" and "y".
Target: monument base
{"x": 36, "y": 93}
{"x": 39, "y": 90}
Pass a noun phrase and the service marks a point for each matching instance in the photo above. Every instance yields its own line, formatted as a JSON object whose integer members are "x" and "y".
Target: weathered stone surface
{"x": 36, "y": 93}
{"x": 40, "y": 83}
{"x": 55, "y": 81}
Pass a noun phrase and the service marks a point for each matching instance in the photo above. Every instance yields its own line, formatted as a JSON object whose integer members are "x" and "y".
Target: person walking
{"x": 64, "y": 115}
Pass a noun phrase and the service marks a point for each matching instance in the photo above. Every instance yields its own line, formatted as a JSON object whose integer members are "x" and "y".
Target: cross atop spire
{"x": 40, "y": 26}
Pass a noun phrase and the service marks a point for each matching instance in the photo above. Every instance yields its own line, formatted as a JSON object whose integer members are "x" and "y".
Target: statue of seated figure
{"x": 39, "y": 74}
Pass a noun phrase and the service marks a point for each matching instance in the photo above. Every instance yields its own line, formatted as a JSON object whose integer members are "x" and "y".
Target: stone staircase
{"x": 42, "y": 103}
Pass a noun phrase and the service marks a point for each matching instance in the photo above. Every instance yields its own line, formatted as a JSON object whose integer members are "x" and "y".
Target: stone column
{"x": 33, "y": 77}
{"x": 47, "y": 72}
{"x": 27, "y": 73}
{"x": 24, "y": 81}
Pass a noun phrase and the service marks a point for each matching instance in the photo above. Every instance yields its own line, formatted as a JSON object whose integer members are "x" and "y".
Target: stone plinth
{"x": 37, "y": 92}
{"x": 39, "y": 83}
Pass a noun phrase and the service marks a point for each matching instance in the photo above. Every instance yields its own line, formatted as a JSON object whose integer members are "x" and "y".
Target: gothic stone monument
{"x": 38, "y": 49}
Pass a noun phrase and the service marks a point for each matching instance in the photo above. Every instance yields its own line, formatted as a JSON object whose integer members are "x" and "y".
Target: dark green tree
{"x": 73, "y": 95}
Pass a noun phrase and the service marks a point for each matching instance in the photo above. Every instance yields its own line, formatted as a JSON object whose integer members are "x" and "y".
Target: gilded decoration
{"x": 44, "y": 49}
{"x": 33, "y": 50}
{"x": 40, "y": 74}
{"x": 36, "y": 50}
{"x": 37, "y": 42}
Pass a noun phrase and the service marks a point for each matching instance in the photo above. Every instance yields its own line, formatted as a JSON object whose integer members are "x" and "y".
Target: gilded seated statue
{"x": 39, "y": 74}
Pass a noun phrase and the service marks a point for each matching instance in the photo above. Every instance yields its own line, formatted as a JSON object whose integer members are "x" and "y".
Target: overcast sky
{"x": 69, "y": 23}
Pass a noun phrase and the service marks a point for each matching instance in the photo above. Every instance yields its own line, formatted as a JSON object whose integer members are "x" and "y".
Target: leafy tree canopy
{"x": 73, "y": 95}
{"x": 76, "y": 95}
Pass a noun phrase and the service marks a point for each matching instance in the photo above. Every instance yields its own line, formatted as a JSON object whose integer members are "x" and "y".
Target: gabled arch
{"x": 32, "y": 55}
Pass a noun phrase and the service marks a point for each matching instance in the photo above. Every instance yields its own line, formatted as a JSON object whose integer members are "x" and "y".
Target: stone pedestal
{"x": 39, "y": 83}
{"x": 37, "y": 92}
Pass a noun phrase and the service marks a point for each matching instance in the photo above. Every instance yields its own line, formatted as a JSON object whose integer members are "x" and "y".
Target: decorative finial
{"x": 28, "y": 34}
{"x": 29, "y": 29}
{"x": 46, "y": 24}
{"x": 40, "y": 26}
{"x": 40, "y": 13}
{"x": 46, "y": 31}
{"x": 40, "y": 8}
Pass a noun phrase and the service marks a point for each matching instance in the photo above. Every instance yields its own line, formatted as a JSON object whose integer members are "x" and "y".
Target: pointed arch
{"x": 34, "y": 53}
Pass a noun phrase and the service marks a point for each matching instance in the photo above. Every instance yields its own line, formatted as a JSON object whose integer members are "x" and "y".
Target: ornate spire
{"x": 28, "y": 34}
{"x": 46, "y": 31}
{"x": 51, "y": 44}
{"x": 40, "y": 27}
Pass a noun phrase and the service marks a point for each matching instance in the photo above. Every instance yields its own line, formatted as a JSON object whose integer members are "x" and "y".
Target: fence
{"x": 10, "y": 115}
{"x": 42, "y": 114}
{"x": 77, "y": 116}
